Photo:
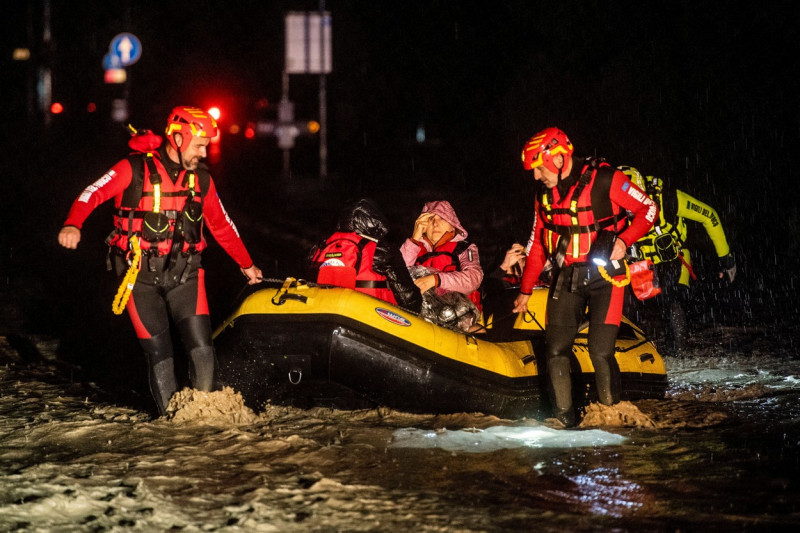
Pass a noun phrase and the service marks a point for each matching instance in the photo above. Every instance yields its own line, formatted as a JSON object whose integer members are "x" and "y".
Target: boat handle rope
{"x": 532, "y": 316}
{"x": 484, "y": 328}
{"x": 125, "y": 288}
{"x": 282, "y": 295}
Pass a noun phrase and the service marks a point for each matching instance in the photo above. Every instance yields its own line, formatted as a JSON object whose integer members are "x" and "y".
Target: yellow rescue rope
{"x": 611, "y": 280}
{"x": 124, "y": 292}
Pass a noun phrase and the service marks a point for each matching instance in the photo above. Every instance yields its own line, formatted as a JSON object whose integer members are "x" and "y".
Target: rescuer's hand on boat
{"x": 253, "y": 274}
{"x": 521, "y": 303}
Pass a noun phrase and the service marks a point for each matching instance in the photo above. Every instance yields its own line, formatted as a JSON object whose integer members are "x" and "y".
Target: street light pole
{"x": 285, "y": 116}
{"x": 45, "y": 75}
{"x": 323, "y": 106}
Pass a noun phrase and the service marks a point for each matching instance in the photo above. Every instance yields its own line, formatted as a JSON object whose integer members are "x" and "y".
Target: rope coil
{"x": 125, "y": 288}
{"x": 611, "y": 280}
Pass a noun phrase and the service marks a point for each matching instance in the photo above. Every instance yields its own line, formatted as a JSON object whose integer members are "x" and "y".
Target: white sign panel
{"x": 308, "y": 43}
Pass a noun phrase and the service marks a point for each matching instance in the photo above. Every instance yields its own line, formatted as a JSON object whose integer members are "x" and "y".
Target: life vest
{"x": 664, "y": 241}
{"x": 445, "y": 258}
{"x": 345, "y": 259}
{"x": 572, "y": 223}
{"x": 167, "y": 216}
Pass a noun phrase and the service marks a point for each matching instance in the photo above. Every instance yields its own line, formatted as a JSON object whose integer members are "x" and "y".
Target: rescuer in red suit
{"x": 581, "y": 226}
{"x": 164, "y": 195}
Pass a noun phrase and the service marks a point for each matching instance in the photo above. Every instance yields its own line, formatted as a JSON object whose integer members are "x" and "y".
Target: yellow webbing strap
{"x": 576, "y": 238}
{"x": 280, "y": 296}
{"x": 124, "y": 292}
{"x": 549, "y": 217}
{"x": 611, "y": 280}
{"x": 156, "y": 197}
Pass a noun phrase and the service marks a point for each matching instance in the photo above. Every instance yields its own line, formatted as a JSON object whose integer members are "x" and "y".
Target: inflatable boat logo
{"x": 392, "y": 317}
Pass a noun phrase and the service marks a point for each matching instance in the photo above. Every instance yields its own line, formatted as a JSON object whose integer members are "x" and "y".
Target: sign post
{"x": 308, "y": 51}
{"x": 124, "y": 50}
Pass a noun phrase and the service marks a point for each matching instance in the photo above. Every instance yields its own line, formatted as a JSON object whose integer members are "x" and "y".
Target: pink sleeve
{"x": 410, "y": 251}
{"x": 469, "y": 278}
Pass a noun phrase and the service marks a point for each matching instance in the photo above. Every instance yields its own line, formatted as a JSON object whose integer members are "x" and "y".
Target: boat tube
{"x": 302, "y": 344}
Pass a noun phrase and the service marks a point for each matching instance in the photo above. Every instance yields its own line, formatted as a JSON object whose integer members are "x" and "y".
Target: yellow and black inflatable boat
{"x": 302, "y": 344}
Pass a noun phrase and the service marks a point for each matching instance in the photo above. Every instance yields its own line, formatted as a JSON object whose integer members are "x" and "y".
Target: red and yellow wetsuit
{"x": 170, "y": 283}
{"x": 569, "y": 217}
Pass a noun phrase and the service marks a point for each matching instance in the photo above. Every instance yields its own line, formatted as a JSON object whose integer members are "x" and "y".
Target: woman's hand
{"x": 425, "y": 282}
{"x": 420, "y": 225}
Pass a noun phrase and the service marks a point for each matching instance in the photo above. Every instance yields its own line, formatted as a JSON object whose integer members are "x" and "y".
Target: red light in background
{"x": 56, "y": 108}
{"x": 250, "y": 131}
{"x": 91, "y": 107}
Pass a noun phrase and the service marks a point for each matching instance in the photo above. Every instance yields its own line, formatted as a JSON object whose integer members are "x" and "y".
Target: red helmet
{"x": 191, "y": 121}
{"x": 542, "y": 147}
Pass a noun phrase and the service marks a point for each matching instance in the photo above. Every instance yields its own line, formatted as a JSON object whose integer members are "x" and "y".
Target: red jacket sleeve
{"x": 630, "y": 197}
{"x": 537, "y": 256}
{"x": 223, "y": 229}
{"x": 111, "y": 184}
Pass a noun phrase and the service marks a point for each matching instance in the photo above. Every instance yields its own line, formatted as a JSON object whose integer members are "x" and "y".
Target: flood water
{"x": 77, "y": 453}
{"x": 721, "y": 452}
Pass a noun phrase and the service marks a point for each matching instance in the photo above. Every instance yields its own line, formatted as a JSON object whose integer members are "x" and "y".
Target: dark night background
{"x": 700, "y": 93}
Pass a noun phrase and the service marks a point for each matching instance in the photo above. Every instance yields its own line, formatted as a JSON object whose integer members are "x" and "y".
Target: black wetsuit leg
{"x": 196, "y": 337}
{"x": 148, "y": 312}
{"x": 188, "y": 309}
{"x": 161, "y": 369}
{"x": 177, "y": 292}
{"x": 564, "y": 315}
{"x": 603, "y": 329}
{"x": 558, "y": 354}
{"x": 602, "y": 339}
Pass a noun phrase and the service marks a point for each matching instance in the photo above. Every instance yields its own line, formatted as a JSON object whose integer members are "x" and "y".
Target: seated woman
{"x": 451, "y": 264}
{"x": 357, "y": 256}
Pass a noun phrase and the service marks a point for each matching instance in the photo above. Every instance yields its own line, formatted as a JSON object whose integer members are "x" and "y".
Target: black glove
{"x": 389, "y": 262}
{"x": 727, "y": 265}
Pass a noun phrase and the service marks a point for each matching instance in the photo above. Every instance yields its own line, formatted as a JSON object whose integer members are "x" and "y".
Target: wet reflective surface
{"x": 722, "y": 452}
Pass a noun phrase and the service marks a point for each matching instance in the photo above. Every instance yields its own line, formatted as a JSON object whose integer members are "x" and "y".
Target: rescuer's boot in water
{"x": 161, "y": 369}
{"x": 195, "y": 332}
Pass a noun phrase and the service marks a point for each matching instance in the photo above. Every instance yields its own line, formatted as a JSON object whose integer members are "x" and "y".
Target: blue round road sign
{"x": 127, "y": 47}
